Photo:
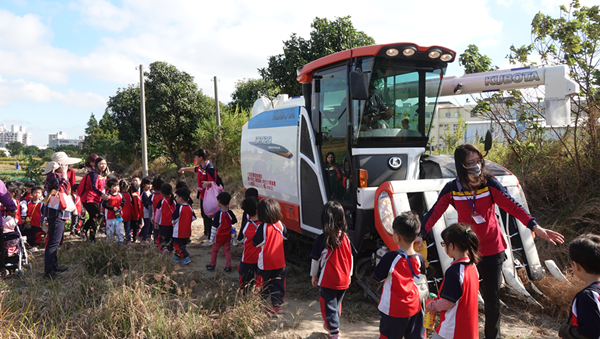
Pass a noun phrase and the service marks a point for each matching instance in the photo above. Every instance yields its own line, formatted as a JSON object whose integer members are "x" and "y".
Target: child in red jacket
{"x": 137, "y": 210}
{"x": 332, "y": 253}
{"x": 126, "y": 212}
{"x": 271, "y": 260}
{"x": 182, "y": 225}
{"x": 35, "y": 219}
{"x": 221, "y": 232}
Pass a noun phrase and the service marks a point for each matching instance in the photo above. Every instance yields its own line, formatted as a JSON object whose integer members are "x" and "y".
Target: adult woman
{"x": 9, "y": 206}
{"x": 56, "y": 183}
{"x": 207, "y": 175}
{"x": 334, "y": 176}
{"x": 91, "y": 191}
{"x": 474, "y": 194}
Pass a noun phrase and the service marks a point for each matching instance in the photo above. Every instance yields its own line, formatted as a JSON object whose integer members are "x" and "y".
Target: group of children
{"x": 401, "y": 314}
{"x": 28, "y": 216}
{"x": 134, "y": 211}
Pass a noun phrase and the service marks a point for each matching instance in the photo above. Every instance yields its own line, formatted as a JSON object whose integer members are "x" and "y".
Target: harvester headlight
{"x": 386, "y": 212}
{"x": 434, "y": 53}
{"x": 409, "y": 51}
{"x": 392, "y": 52}
{"x": 446, "y": 57}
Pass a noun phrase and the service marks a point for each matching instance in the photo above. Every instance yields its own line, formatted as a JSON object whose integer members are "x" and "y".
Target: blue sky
{"x": 61, "y": 60}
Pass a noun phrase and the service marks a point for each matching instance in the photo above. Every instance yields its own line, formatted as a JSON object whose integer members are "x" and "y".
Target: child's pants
{"x": 114, "y": 230}
{"x": 331, "y": 308}
{"x": 179, "y": 246}
{"x": 127, "y": 226}
{"x": 398, "y": 328}
{"x": 135, "y": 227}
{"x": 147, "y": 227}
{"x": 272, "y": 283}
{"x": 226, "y": 250}
{"x": 164, "y": 238}
{"x": 247, "y": 273}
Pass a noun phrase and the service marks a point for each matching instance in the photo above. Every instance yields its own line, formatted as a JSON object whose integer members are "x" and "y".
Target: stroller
{"x": 15, "y": 260}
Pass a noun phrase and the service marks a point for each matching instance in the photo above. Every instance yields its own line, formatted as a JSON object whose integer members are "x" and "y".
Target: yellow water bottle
{"x": 429, "y": 319}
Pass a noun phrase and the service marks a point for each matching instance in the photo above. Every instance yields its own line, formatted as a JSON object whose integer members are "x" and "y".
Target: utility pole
{"x": 217, "y": 102}
{"x": 218, "y": 146}
{"x": 143, "y": 119}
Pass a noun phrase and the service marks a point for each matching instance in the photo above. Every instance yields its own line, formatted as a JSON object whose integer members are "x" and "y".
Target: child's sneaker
{"x": 207, "y": 243}
{"x": 186, "y": 261}
{"x": 227, "y": 269}
{"x": 176, "y": 259}
{"x": 210, "y": 267}
{"x": 274, "y": 310}
{"x": 334, "y": 336}
{"x": 34, "y": 249}
{"x": 234, "y": 242}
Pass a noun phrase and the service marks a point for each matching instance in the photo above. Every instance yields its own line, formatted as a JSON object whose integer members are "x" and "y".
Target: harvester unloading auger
{"x": 379, "y": 167}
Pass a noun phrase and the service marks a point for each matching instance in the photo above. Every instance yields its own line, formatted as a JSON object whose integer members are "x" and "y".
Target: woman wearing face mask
{"x": 473, "y": 194}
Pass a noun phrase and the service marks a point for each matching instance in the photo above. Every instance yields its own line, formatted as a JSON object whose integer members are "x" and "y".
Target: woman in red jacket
{"x": 473, "y": 194}
{"x": 91, "y": 191}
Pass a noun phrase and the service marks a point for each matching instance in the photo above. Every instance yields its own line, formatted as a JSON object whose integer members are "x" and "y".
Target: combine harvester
{"x": 377, "y": 173}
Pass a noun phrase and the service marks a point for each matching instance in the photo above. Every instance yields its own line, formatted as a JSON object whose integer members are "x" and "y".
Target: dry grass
{"x": 126, "y": 292}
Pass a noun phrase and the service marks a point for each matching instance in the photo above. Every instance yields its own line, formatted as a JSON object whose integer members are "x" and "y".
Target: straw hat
{"x": 51, "y": 166}
{"x": 63, "y": 158}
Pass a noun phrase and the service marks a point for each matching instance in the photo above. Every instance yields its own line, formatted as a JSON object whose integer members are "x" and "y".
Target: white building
{"x": 15, "y": 133}
{"x": 60, "y": 139}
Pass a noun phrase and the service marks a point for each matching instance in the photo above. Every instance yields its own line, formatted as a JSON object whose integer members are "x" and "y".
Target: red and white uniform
{"x": 126, "y": 212}
{"x": 114, "y": 200}
{"x": 182, "y": 221}
{"x": 165, "y": 209}
{"x": 251, "y": 252}
{"x": 137, "y": 208}
{"x": 491, "y": 240}
{"x": 270, "y": 237}
{"x": 460, "y": 286}
{"x": 223, "y": 222}
{"x": 336, "y": 264}
{"x": 34, "y": 213}
{"x": 585, "y": 311}
{"x": 400, "y": 294}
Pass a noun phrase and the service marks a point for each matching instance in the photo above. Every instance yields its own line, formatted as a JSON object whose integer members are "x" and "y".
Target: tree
{"x": 31, "y": 150}
{"x": 247, "y": 91}
{"x": 14, "y": 147}
{"x": 326, "y": 37}
{"x": 173, "y": 108}
{"x": 454, "y": 137}
{"x": 475, "y": 62}
{"x": 124, "y": 108}
{"x": 90, "y": 133}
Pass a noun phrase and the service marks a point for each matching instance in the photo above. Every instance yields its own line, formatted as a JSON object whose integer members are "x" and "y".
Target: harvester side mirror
{"x": 358, "y": 86}
{"x": 488, "y": 142}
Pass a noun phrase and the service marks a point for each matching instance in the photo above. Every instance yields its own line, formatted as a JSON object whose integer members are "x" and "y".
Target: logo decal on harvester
{"x": 394, "y": 163}
{"x": 265, "y": 143}
{"x": 506, "y": 79}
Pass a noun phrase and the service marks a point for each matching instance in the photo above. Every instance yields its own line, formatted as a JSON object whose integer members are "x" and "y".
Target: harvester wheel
{"x": 364, "y": 278}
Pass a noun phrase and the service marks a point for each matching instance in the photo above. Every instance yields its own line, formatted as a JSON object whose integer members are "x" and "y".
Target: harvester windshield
{"x": 401, "y": 104}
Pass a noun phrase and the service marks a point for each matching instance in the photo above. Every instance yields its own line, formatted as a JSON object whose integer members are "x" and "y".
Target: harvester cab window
{"x": 396, "y": 110}
{"x": 334, "y": 113}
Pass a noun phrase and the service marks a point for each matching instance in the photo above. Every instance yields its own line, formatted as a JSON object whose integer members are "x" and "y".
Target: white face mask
{"x": 475, "y": 169}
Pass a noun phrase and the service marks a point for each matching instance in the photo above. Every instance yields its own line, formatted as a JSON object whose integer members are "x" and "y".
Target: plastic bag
{"x": 209, "y": 204}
